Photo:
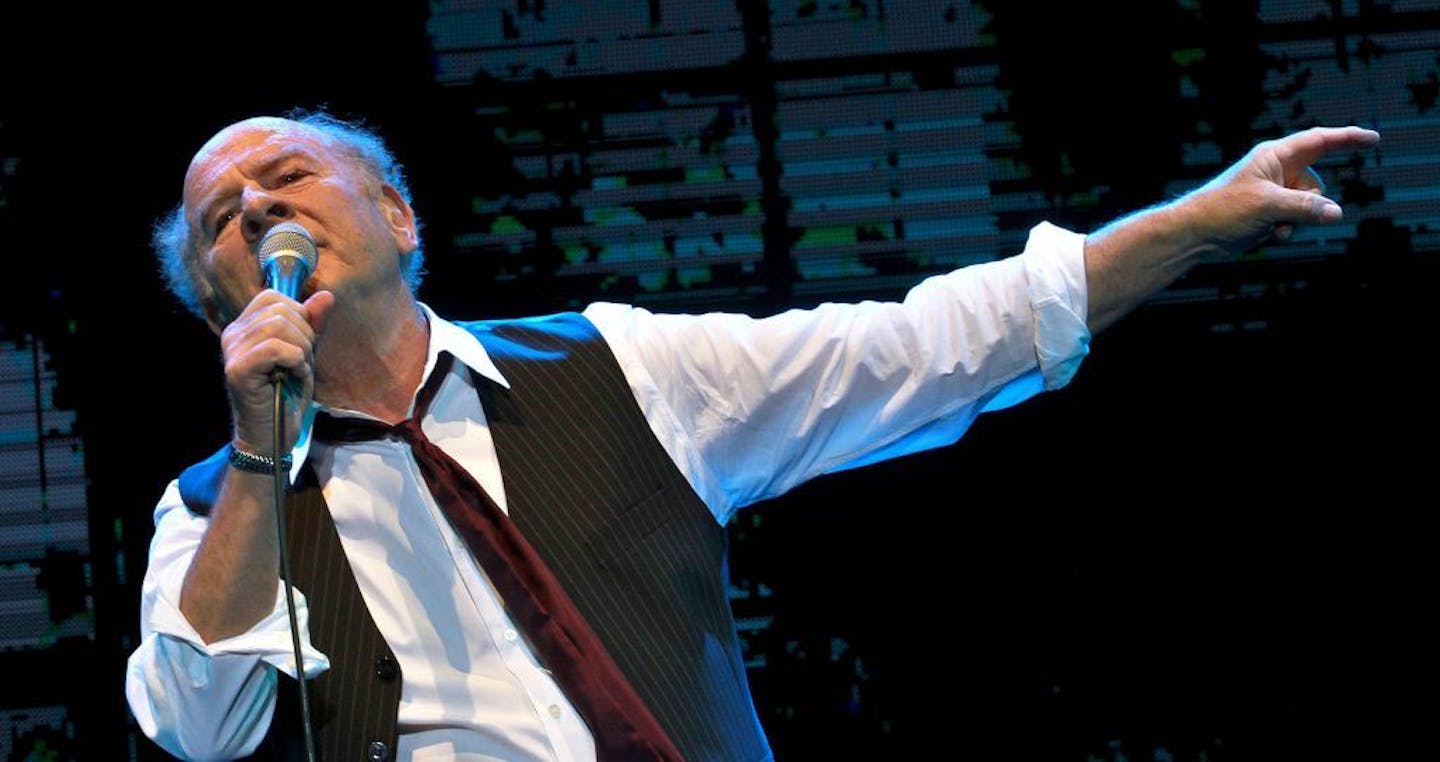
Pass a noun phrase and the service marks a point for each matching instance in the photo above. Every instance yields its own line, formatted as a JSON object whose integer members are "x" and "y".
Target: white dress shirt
{"x": 747, "y": 408}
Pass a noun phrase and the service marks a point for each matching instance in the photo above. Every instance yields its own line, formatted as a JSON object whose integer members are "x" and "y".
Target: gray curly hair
{"x": 170, "y": 237}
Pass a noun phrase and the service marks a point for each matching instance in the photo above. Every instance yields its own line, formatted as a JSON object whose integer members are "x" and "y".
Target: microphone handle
{"x": 286, "y": 272}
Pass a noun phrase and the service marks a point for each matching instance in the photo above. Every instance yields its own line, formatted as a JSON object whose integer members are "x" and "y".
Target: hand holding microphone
{"x": 273, "y": 340}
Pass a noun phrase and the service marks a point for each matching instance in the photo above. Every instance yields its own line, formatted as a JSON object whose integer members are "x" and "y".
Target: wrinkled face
{"x": 261, "y": 172}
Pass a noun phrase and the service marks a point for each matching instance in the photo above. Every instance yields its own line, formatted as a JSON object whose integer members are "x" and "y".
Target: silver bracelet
{"x": 257, "y": 464}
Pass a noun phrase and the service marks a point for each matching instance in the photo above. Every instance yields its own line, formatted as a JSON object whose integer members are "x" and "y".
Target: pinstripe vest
{"x": 634, "y": 546}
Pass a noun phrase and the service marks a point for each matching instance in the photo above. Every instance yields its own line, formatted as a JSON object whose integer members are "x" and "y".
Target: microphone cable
{"x": 281, "y": 476}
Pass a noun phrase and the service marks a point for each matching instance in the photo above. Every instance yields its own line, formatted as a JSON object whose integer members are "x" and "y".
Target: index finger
{"x": 1305, "y": 148}
{"x": 270, "y": 304}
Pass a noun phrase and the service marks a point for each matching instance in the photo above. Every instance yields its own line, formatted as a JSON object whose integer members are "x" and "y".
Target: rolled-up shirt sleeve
{"x": 749, "y": 408}
{"x": 201, "y": 700}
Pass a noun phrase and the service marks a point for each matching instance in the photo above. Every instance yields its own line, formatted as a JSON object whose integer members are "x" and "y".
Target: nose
{"x": 259, "y": 211}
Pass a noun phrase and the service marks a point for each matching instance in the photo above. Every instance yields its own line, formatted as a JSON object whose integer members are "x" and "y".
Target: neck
{"x": 371, "y": 357}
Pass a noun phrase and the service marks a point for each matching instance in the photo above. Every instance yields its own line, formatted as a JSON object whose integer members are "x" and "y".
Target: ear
{"x": 400, "y": 218}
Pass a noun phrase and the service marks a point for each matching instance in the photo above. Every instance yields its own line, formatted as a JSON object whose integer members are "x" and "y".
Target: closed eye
{"x": 223, "y": 220}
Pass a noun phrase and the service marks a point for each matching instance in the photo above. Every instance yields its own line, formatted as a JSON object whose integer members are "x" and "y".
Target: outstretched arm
{"x": 1264, "y": 194}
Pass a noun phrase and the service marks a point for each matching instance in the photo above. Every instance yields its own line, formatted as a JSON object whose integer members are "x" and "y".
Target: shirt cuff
{"x": 269, "y": 639}
{"x": 1055, "y": 270}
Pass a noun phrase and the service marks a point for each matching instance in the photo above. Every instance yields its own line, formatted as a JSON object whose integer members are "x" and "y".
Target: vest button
{"x": 378, "y": 751}
{"x": 385, "y": 669}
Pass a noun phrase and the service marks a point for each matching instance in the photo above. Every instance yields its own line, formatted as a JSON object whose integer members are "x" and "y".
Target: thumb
{"x": 1305, "y": 206}
{"x": 317, "y": 309}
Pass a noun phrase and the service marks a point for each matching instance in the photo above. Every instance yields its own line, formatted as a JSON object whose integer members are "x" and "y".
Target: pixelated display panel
{"x": 44, "y": 549}
{"x": 532, "y": 39}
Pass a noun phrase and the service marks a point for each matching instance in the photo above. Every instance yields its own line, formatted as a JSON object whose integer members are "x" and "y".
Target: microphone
{"x": 287, "y": 257}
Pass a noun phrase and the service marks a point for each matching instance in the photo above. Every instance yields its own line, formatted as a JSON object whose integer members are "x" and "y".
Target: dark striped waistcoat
{"x": 600, "y": 499}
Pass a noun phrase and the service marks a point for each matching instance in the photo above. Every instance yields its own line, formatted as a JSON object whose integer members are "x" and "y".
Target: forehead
{"x": 246, "y": 143}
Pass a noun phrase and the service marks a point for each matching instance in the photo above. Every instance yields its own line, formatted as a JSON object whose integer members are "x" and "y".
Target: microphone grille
{"x": 288, "y": 236}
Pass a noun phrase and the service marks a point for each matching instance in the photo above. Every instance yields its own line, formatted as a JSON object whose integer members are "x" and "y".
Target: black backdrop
{"x": 1211, "y": 543}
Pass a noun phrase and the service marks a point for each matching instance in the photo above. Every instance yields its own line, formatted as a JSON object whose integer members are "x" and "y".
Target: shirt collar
{"x": 445, "y": 336}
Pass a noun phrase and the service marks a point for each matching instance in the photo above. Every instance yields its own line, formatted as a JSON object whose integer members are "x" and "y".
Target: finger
{"x": 270, "y": 354}
{"x": 276, "y": 318}
{"x": 1283, "y": 231}
{"x": 274, "y": 349}
{"x": 274, "y": 362}
{"x": 286, "y": 324}
{"x": 1305, "y": 148}
{"x": 282, "y": 325}
{"x": 1304, "y": 206}
{"x": 264, "y": 299}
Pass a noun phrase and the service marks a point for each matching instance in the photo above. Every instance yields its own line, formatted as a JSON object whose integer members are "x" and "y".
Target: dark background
{"x": 1210, "y": 546}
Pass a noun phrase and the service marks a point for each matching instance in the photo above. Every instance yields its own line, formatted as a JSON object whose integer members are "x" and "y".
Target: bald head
{"x": 249, "y": 132}
{"x": 278, "y": 124}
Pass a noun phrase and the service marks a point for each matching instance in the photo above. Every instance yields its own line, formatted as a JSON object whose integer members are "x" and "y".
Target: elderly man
{"x": 508, "y": 536}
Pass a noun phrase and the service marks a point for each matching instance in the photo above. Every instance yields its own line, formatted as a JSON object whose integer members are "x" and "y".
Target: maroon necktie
{"x": 622, "y": 726}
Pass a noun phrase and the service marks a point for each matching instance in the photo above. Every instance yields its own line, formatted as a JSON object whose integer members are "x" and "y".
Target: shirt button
{"x": 385, "y": 668}
{"x": 555, "y": 711}
{"x": 378, "y": 751}
{"x": 511, "y": 635}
